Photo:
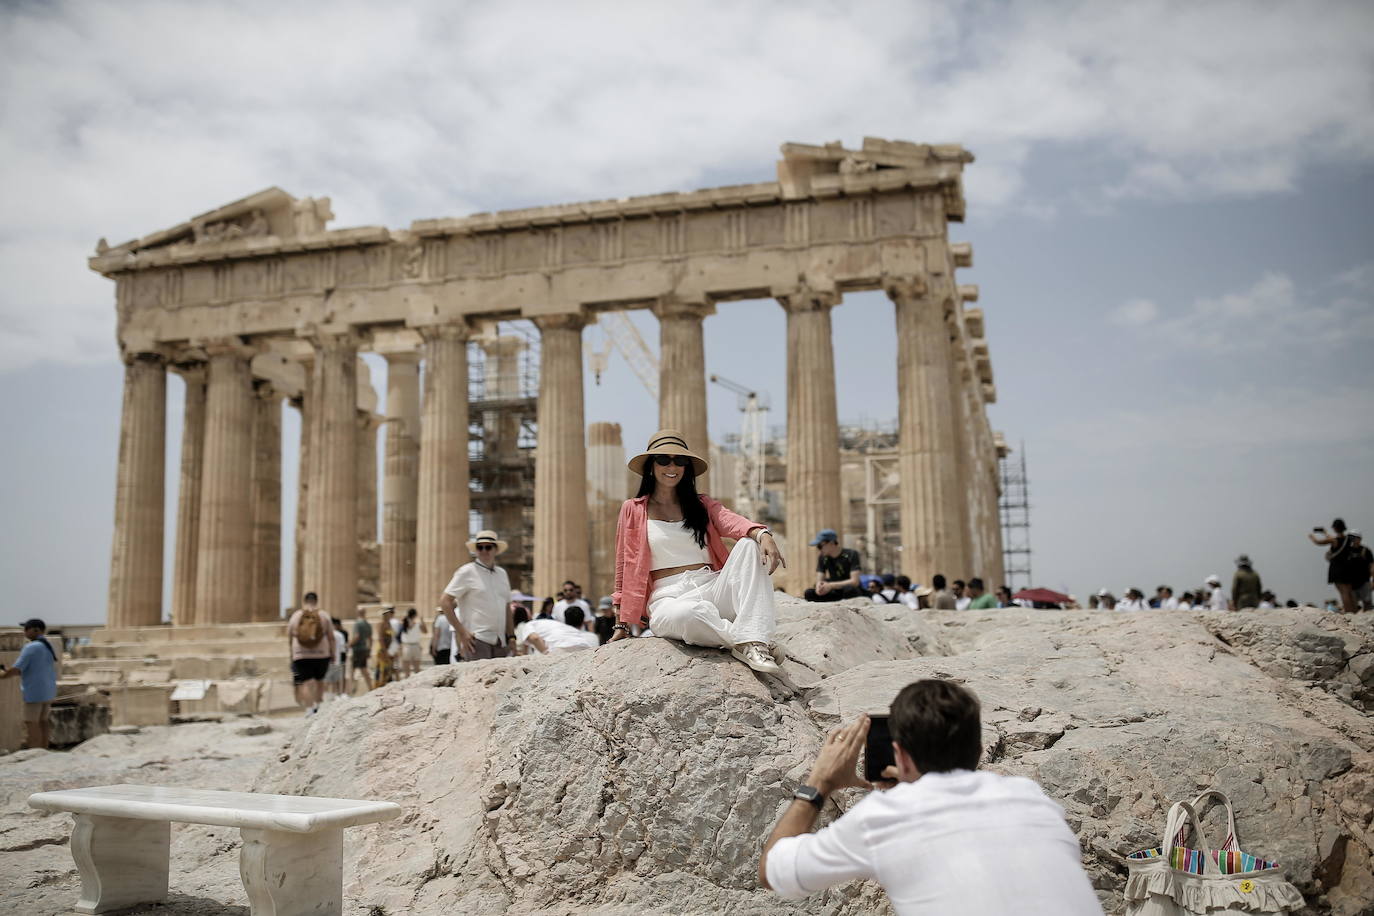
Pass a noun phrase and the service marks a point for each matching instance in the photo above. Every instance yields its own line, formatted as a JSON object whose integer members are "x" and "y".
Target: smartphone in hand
{"x": 877, "y": 749}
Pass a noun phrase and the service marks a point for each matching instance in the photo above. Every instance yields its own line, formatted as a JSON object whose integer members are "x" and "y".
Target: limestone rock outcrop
{"x": 642, "y": 778}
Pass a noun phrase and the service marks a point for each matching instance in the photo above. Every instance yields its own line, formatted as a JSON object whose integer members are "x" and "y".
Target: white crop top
{"x": 671, "y": 545}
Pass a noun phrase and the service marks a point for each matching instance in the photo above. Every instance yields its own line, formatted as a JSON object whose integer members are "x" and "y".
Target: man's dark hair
{"x": 520, "y": 615}
{"x": 694, "y": 516}
{"x": 311, "y": 596}
{"x": 937, "y": 582}
{"x": 572, "y": 616}
{"x": 960, "y": 582}
{"x": 570, "y": 582}
{"x": 904, "y": 583}
{"x": 938, "y": 723}
{"x": 976, "y": 583}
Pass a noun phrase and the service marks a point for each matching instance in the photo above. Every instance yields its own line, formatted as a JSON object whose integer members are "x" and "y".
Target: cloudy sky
{"x": 1171, "y": 214}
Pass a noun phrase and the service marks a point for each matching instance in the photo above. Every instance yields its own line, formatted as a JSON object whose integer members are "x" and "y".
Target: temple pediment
{"x": 266, "y": 214}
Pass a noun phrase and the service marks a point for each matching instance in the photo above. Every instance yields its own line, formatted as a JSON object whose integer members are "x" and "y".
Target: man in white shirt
{"x": 1167, "y": 601}
{"x": 441, "y": 642}
{"x": 946, "y": 838}
{"x": 545, "y": 636}
{"x": 1219, "y": 600}
{"x": 1134, "y": 601}
{"x": 569, "y": 597}
{"x": 476, "y": 602}
{"x": 961, "y": 597}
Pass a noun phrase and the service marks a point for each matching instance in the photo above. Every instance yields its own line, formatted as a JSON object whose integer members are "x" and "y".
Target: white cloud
{"x": 121, "y": 119}
{"x": 1273, "y": 315}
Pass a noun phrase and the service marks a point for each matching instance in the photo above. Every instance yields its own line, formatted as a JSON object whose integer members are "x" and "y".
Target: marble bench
{"x": 292, "y": 857}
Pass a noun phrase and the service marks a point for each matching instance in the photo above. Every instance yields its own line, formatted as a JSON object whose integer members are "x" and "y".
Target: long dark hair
{"x": 694, "y": 517}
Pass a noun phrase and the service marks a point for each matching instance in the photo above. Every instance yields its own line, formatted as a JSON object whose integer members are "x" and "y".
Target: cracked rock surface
{"x": 643, "y": 777}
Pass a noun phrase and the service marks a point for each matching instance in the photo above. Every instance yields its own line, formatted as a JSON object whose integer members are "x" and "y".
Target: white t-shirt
{"x": 443, "y": 634}
{"x": 561, "y": 605}
{"x": 1265, "y": 606}
{"x": 1169, "y": 604}
{"x": 413, "y": 636}
{"x": 557, "y": 636}
{"x": 966, "y": 842}
{"x": 961, "y": 604}
{"x": 1219, "y": 601}
{"x": 882, "y": 596}
{"x": 1133, "y": 604}
{"x": 482, "y": 595}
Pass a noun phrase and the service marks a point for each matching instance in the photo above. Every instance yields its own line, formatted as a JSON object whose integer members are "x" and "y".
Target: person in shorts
{"x": 310, "y": 631}
{"x": 36, "y": 668}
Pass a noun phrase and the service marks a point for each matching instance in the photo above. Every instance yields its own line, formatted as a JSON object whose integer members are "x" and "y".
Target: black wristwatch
{"x": 810, "y": 794}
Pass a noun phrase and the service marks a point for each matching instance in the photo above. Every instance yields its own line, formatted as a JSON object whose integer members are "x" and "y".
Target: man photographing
{"x": 945, "y": 838}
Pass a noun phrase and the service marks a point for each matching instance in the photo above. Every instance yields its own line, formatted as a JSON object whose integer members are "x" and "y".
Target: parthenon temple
{"x": 260, "y": 302}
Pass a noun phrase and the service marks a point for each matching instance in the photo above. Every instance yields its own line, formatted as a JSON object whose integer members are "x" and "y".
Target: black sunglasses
{"x": 486, "y": 546}
{"x": 664, "y": 460}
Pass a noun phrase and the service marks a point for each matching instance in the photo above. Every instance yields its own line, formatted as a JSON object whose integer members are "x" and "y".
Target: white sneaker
{"x": 755, "y": 655}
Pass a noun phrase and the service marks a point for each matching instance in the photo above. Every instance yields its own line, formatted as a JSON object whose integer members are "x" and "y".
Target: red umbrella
{"x": 1041, "y": 595}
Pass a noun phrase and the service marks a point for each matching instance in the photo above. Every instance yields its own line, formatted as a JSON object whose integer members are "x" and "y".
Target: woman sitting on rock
{"x": 672, "y": 568}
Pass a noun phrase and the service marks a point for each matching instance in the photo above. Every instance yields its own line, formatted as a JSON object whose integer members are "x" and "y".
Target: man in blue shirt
{"x": 37, "y": 671}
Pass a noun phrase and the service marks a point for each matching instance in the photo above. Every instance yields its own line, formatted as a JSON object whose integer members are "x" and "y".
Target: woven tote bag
{"x": 1173, "y": 879}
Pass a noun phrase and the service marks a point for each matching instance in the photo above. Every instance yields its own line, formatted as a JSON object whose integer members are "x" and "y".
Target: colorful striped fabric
{"x": 1185, "y": 859}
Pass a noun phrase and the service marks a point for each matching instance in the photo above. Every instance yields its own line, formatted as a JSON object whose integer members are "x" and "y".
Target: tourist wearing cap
{"x": 36, "y": 669}
{"x": 1245, "y": 585}
{"x": 837, "y": 569}
{"x": 1217, "y": 599}
{"x": 476, "y": 602}
{"x": 672, "y": 568}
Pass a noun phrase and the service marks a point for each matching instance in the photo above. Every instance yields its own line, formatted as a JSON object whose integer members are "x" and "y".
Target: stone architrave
{"x": 813, "y": 429}
{"x": 932, "y": 537}
{"x": 560, "y": 469}
{"x": 224, "y": 581}
{"x": 605, "y": 494}
{"x": 266, "y": 502}
{"x": 188, "y": 495}
{"x": 400, "y": 485}
{"x": 136, "y": 554}
{"x": 682, "y": 369}
{"x": 331, "y": 544}
{"x": 442, "y": 523}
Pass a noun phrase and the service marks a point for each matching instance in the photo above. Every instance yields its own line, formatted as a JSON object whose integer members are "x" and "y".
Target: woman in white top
{"x": 412, "y": 637}
{"x": 672, "y": 567}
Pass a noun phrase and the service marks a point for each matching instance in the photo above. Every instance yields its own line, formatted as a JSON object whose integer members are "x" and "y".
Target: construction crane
{"x": 753, "y": 409}
{"x": 622, "y": 334}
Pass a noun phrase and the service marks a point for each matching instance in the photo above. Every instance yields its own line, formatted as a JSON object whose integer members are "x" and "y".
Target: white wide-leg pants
{"x": 708, "y": 608}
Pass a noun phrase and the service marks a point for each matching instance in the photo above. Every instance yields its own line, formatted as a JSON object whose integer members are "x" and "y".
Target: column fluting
{"x": 932, "y": 539}
{"x": 331, "y": 544}
{"x": 135, "y": 596}
{"x": 561, "y": 549}
{"x": 224, "y": 581}
{"x": 401, "y": 484}
{"x": 442, "y": 506}
{"x": 266, "y": 502}
{"x": 682, "y": 369}
{"x": 813, "y": 429}
{"x": 188, "y": 495}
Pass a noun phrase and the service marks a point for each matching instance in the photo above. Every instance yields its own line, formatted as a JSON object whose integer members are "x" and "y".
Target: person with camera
{"x": 671, "y": 565}
{"x": 1342, "y": 562}
{"x": 940, "y": 835}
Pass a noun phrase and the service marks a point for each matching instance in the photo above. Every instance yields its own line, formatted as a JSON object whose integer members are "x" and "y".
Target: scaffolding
{"x": 1014, "y": 509}
{"x": 503, "y": 398}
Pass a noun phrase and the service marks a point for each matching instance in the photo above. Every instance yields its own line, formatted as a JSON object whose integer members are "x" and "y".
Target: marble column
{"x": 367, "y": 476}
{"x": 682, "y": 369}
{"x": 442, "y": 511}
{"x": 932, "y": 539}
{"x": 266, "y": 503}
{"x": 501, "y": 444}
{"x": 400, "y": 486}
{"x": 303, "y": 472}
{"x": 331, "y": 544}
{"x": 224, "y": 581}
{"x": 136, "y": 552}
{"x": 813, "y": 430}
{"x": 188, "y": 495}
{"x": 561, "y": 548}
{"x": 965, "y": 448}
{"x": 605, "y": 494}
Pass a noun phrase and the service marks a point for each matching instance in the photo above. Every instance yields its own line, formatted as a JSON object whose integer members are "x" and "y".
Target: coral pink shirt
{"x": 633, "y": 582}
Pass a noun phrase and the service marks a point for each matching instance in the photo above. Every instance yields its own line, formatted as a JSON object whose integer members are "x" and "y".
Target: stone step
{"x": 137, "y": 670}
{"x": 265, "y": 648}
{"x": 165, "y": 634}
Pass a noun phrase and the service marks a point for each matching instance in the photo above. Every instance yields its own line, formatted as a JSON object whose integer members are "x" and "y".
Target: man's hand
{"x": 837, "y": 765}
{"x": 822, "y": 587}
{"x": 466, "y": 641}
{"x": 772, "y": 557}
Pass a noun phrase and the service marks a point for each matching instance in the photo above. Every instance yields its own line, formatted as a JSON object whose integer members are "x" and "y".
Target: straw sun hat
{"x": 487, "y": 537}
{"x": 667, "y": 442}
